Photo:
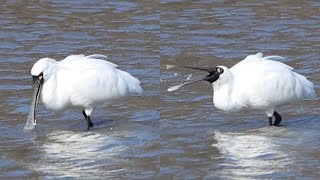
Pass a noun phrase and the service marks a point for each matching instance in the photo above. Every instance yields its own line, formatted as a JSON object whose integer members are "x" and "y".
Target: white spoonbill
{"x": 257, "y": 82}
{"x": 82, "y": 81}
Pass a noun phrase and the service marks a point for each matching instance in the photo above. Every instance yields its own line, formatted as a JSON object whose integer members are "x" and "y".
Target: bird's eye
{"x": 220, "y": 70}
{"x": 40, "y": 77}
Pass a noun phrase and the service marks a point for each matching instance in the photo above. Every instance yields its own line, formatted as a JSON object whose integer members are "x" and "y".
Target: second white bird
{"x": 257, "y": 82}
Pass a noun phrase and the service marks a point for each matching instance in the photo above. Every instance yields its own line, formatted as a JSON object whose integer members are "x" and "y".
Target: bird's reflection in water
{"x": 78, "y": 154}
{"x": 261, "y": 153}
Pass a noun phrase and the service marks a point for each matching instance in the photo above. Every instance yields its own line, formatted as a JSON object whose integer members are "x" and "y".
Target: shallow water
{"x": 200, "y": 142}
{"x": 163, "y": 135}
{"x": 125, "y": 140}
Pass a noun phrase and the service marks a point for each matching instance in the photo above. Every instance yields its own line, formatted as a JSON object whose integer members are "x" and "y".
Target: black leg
{"x": 270, "y": 121}
{"x": 89, "y": 122}
{"x": 278, "y": 118}
{"x": 84, "y": 114}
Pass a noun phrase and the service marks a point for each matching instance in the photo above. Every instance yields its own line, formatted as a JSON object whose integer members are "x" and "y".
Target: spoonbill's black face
{"x": 214, "y": 74}
{"x": 37, "y": 83}
{"x": 37, "y": 79}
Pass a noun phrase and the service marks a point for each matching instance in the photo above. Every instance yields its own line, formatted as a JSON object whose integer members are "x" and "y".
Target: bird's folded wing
{"x": 86, "y": 59}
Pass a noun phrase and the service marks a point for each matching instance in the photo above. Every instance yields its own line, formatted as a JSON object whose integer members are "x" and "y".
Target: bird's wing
{"x": 82, "y": 57}
{"x": 254, "y": 58}
{"x": 257, "y": 59}
{"x": 94, "y": 80}
{"x": 261, "y": 80}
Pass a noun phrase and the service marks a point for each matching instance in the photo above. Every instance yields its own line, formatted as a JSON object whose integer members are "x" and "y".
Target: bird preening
{"x": 258, "y": 83}
{"x": 82, "y": 81}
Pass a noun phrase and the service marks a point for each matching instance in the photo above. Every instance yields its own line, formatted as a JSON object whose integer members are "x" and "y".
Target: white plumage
{"x": 82, "y": 81}
{"x": 257, "y": 82}
{"x": 260, "y": 83}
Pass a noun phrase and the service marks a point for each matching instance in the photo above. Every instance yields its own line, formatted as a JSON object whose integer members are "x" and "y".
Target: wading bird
{"x": 81, "y": 81}
{"x": 257, "y": 82}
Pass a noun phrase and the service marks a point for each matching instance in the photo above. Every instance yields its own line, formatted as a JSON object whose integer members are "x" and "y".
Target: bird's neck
{"x": 48, "y": 92}
{"x": 222, "y": 96}
{"x": 52, "y": 93}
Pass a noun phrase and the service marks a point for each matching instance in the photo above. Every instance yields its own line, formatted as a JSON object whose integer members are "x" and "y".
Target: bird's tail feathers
{"x": 132, "y": 83}
{"x": 305, "y": 88}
